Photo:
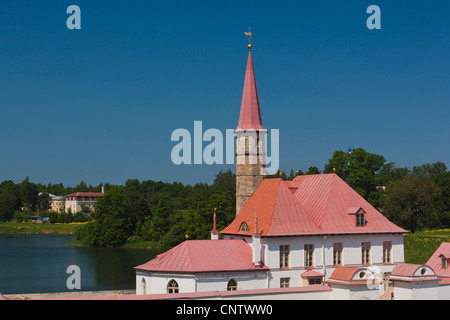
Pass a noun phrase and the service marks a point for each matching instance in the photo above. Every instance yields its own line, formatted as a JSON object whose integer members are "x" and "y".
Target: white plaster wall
{"x": 157, "y": 283}
{"x": 219, "y": 281}
{"x": 354, "y": 292}
{"x": 351, "y": 253}
{"x": 323, "y": 263}
{"x": 420, "y": 290}
{"x": 323, "y": 253}
{"x": 444, "y": 292}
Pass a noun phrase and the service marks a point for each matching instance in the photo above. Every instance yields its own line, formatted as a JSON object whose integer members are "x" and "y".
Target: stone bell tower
{"x": 250, "y": 140}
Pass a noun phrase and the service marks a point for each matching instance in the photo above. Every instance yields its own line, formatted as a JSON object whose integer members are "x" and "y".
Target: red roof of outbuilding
{"x": 250, "y": 115}
{"x": 435, "y": 261}
{"x": 204, "y": 256}
{"x": 311, "y": 274}
{"x": 345, "y": 273}
{"x": 405, "y": 269}
{"x": 352, "y": 276}
{"x": 310, "y": 204}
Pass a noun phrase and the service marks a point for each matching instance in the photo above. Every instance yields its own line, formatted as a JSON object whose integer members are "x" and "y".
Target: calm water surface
{"x": 38, "y": 264}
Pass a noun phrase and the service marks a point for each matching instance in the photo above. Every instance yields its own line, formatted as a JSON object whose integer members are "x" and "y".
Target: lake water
{"x": 38, "y": 264}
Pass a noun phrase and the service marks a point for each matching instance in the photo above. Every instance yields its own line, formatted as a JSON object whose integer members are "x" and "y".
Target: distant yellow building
{"x": 57, "y": 204}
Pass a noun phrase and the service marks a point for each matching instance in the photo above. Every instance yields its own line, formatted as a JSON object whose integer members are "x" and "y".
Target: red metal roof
{"x": 279, "y": 213}
{"x": 410, "y": 272}
{"x": 311, "y": 274}
{"x": 352, "y": 276}
{"x": 405, "y": 269}
{"x": 345, "y": 273}
{"x": 250, "y": 115}
{"x": 435, "y": 261}
{"x": 328, "y": 200}
{"x": 204, "y": 256}
{"x": 310, "y": 204}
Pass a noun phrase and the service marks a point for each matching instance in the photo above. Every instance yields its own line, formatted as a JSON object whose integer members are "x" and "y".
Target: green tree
{"x": 358, "y": 168}
{"x": 29, "y": 194}
{"x": 410, "y": 203}
{"x": 313, "y": 170}
{"x": 115, "y": 217}
{"x": 9, "y": 200}
{"x": 163, "y": 215}
{"x": 43, "y": 201}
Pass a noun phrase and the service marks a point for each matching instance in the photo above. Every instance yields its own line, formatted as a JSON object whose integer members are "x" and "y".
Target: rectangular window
{"x": 360, "y": 220}
{"x": 285, "y": 282}
{"x": 387, "y": 252}
{"x": 337, "y": 254}
{"x": 309, "y": 255}
{"x": 365, "y": 252}
{"x": 284, "y": 256}
{"x": 314, "y": 281}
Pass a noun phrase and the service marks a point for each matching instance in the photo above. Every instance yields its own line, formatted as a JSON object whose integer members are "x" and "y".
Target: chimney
{"x": 214, "y": 232}
{"x": 103, "y": 189}
{"x": 256, "y": 244}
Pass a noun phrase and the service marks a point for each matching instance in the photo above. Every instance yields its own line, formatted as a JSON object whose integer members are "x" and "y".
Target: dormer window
{"x": 243, "y": 227}
{"x": 360, "y": 220}
{"x": 443, "y": 262}
{"x": 360, "y": 216}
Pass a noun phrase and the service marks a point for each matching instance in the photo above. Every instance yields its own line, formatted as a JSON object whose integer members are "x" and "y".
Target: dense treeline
{"x": 22, "y": 200}
{"x": 164, "y": 213}
{"x": 414, "y": 199}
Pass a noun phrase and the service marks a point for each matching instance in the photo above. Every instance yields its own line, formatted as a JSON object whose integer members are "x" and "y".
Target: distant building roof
{"x": 204, "y": 256}
{"x": 86, "y": 194}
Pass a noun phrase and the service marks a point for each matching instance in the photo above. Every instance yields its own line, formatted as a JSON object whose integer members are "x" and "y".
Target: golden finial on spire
{"x": 249, "y": 34}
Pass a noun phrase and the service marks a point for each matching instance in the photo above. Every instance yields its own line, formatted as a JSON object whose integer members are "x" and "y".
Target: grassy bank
{"x": 38, "y": 228}
{"x": 420, "y": 246}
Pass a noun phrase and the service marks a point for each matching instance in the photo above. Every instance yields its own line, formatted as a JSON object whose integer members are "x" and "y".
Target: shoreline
{"x": 64, "y": 229}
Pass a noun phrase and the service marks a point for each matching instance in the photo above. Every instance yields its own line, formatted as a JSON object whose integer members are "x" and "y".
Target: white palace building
{"x": 310, "y": 238}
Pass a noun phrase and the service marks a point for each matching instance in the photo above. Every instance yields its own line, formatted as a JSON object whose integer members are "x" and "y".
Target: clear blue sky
{"x": 99, "y": 104}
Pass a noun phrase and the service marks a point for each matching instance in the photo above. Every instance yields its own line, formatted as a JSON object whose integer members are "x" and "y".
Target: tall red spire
{"x": 250, "y": 116}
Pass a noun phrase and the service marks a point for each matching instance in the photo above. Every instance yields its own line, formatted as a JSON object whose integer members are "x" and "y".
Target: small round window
{"x": 362, "y": 274}
{"x": 423, "y": 271}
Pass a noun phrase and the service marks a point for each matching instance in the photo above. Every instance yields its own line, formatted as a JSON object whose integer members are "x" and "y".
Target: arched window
{"x": 232, "y": 285}
{"x": 144, "y": 286}
{"x": 172, "y": 287}
{"x": 243, "y": 227}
